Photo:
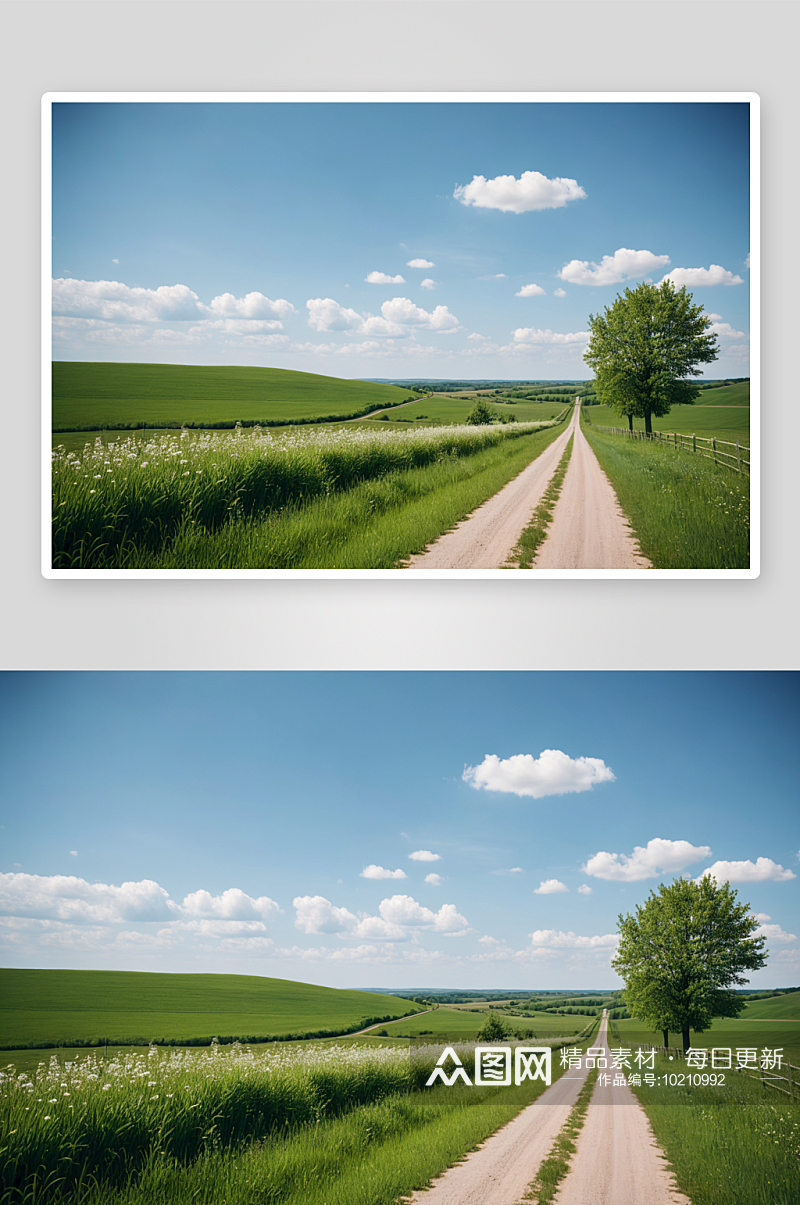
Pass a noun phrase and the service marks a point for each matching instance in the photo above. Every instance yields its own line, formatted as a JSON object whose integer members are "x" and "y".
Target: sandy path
{"x": 501, "y": 1170}
{"x": 589, "y": 529}
{"x": 485, "y": 539}
{"x": 618, "y": 1161}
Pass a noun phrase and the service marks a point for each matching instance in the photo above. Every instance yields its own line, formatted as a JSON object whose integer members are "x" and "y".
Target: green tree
{"x": 683, "y": 952}
{"x": 644, "y": 349}
{"x": 496, "y": 1029}
{"x": 480, "y": 413}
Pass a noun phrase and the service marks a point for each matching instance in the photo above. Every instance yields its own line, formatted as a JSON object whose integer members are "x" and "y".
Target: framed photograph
{"x": 437, "y": 335}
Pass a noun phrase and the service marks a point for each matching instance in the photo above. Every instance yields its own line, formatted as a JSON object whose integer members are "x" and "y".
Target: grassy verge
{"x": 374, "y": 525}
{"x": 554, "y": 1168}
{"x": 536, "y": 531}
{"x": 735, "y": 1145}
{"x": 686, "y": 512}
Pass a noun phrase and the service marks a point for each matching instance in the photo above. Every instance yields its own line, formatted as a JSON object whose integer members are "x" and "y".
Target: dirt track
{"x": 485, "y": 539}
{"x": 588, "y": 531}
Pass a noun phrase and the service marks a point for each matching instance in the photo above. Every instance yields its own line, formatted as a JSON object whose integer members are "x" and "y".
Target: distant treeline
{"x": 226, "y": 1040}
{"x": 720, "y": 384}
{"x": 452, "y": 386}
{"x": 231, "y": 424}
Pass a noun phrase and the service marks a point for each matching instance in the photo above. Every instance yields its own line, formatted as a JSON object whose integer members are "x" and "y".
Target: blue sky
{"x": 225, "y": 821}
{"x": 246, "y": 233}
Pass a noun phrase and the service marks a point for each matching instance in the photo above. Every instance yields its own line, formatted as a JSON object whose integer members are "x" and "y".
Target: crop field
{"x": 52, "y": 1007}
{"x": 458, "y": 1025}
{"x": 349, "y": 497}
{"x": 317, "y": 1125}
{"x": 443, "y": 410}
{"x": 91, "y": 396}
{"x": 726, "y": 422}
{"x": 687, "y": 512}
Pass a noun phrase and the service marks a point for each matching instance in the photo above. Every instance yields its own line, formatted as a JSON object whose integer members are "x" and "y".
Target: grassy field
{"x": 445, "y": 410}
{"x": 89, "y": 1006}
{"x": 726, "y": 395}
{"x": 347, "y": 498}
{"x": 686, "y": 512}
{"x": 89, "y": 396}
{"x": 723, "y": 412}
{"x": 458, "y": 1025}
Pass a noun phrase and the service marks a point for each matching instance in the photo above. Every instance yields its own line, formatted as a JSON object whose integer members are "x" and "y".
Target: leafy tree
{"x": 645, "y": 347}
{"x": 496, "y": 1029}
{"x": 480, "y": 413}
{"x": 683, "y": 951}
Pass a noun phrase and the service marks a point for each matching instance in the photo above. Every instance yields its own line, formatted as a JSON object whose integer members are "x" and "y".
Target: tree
{"x": 496, "y": 1029}
{"x": 683, "y": 951}
{"x": 480, "y": 413}
{"x": 645, "y": 347}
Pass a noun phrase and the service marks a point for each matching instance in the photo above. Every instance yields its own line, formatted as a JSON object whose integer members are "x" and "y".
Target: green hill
{"x": 74, "y": 1008}
{"x": 778, "y": 1008}
{"x": 89, "y": 397}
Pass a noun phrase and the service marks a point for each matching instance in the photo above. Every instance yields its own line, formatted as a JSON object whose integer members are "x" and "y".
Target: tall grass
{"x": 686, "y": 512}
{"x": 118, "y": 501}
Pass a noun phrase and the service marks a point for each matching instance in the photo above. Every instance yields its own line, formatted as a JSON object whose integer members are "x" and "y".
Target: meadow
{"x": 442, "y": 410}
{"x": 686, "y": 511}
{"x": 338, "y": 498}
{"x": 459, "y": 1025}
{"x": 722, "y": 412}
{"x": 91, "y": 1007}
{"x": 89, "y": 397}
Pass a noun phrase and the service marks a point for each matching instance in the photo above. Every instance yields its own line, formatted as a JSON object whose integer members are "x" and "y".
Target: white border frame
{"x": 750, "y": 98}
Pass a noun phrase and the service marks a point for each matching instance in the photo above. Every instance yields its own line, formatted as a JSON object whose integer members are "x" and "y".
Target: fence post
{"x": 694, "y": 443}
{"x": 714, "y": 446}
{"x": 738, "y": 458}
{"x": 789, "y": 1076}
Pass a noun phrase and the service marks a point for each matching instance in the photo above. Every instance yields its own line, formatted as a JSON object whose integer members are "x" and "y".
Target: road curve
{"x": 589, "y": 529}
{"x": 486, "y": 538}
{"x": 618, "y": 1161}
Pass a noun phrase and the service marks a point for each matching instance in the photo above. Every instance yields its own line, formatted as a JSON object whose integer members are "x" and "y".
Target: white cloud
{"x": 531, "y": 291}
{"x": 112, "y": 300}
{"x": 723, "y": 329}
{"x": 435, "y": 880}
{"x": 747, "y": 261}
{"x": 67, "y": 898}
{"x": 760, "y": 871}
{"x": 253, "y": 305}
{"x": 380, "y": 278}
{"x": 584, "y": 889}
{"x": 325, "y": 314}
{"x": 761, "y": 916}
{"x": 775, "y": 933}
{"x": 511, "y": 195}
{"x": 378, "y": 872}
{"x": 550, "y": 887}
{"x": 646, "y": 862}
{"x": 528, "y": 334}
{"x": 427, "y": 283}
{"x": 499, "y": 276}
{"x": 624, "y": 264}
{"x": 559, "y": 292}
{"x": 233, "y": 904}
{"x": 238, "y": 326}
{"x": 74, "y": 853}
{"x": 375, "y": 928}
{"x": 403, "y": 311}
{"x": 715, "y": 275}
{"x": 116, "y": 261}
{"x": 552, "y": 773}
{"x": 403, "y": 910}
{"x": 315, "y": 914}
{"x": 220, "y": 928}
{"x": 557, "y": 939}
{"x": 420, "y": 263}
{"x": 424, "y": 855}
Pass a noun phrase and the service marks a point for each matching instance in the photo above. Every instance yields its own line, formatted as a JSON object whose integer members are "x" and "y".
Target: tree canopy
{"x": 495, "y": 1029}
{"x": 682, "y": 953}
{"x": 646, "y": 346}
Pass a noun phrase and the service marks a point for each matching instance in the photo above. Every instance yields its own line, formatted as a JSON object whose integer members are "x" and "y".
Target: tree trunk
{"x": 648, "y": 424}
{"x": 666, "y": 1038}
{"x": 630, "y": 422}
{"x": 686, "y": 1040}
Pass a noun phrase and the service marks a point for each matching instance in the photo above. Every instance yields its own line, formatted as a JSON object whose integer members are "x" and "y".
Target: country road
{"x": 617, "y": 1160}
{"x": 588, "y": 531}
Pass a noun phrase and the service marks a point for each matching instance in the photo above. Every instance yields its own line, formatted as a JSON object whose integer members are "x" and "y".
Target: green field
{"x": 723, "y": 412}
{"x": 92, "y": 396}
{"x": 726, "y": 395}
{"x": 459, "y": 1025}
{"x": 89, "y": 1006}
{"x": 445, "y": 410}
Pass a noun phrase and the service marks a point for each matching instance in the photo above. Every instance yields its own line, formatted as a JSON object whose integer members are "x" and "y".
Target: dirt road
{"x": 589, "y": 530}
{"x": 618, "y": 1161}
{"x": 485, "y": 539}
{"x": 501, "y": 1170}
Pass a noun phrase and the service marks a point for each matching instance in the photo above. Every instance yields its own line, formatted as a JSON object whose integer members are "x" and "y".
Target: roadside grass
{"x": 48, "y": 1007}
{"x": 734, "y": 1032}
{"x": 554, "y": 1168}
{"x": 729, "y": 423}
{"x": 686, "y": 512}
{"x": 375, "y": 523}
{"x": 732, "y": 1145}
{"x": 536, "y": 532}
{"x": 88, "y": 396}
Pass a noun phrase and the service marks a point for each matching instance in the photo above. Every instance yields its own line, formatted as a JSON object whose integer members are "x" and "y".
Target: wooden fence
{"x": 738, "y": 458}
{"x": 768, "y": 1078}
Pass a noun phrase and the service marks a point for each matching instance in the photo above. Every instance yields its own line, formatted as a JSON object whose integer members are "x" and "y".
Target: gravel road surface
{"x": 485, "y": 539}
